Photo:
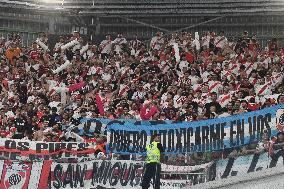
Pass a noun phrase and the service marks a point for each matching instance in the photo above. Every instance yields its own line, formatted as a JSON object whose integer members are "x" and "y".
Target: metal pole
{"x": 192, "y": 26}
{"x": 144, "y": 24}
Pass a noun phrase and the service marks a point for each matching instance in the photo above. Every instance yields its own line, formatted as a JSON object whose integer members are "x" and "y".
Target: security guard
{"x": 153, "y": 166}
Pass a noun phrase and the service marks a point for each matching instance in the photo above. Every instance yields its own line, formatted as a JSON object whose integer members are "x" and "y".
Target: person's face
{"x": 99, "y": 140}
{"x": 205, "y": 89}
{"x": 212, "y": 109}
{"x": 226, "y": 66}
{"x": 171, "y": 103}
{"x": 214, "y": 97}
{"x": 234, "y": 98}
{"x": 240, "y": 94}
{"x": 212, "y": 116}
{"x": 246, "y": 81}
{"x": 34, "y": 46}
{"x": 56, "y": 97}
{"x": 162, "y": 114}
{"x": 65, "y": 115}
{"x": 281, "y": 100}
{"x": 23, "y": 113}
{"x": 56, "y": 127}
{"x": 253, "y": 74}
{"x": 78, "y": 101}
{"x": 48, "y": 138}
{"x": 268, "y": 103}
{"x": 140, "y": 87}
{"x": 46, "y": 110}
{"x": 214, "y": 77}
{"x": 198, "y": 94}
{"x": 244, "y": 105}
{"x": 134, "y": 107}
{"x": 237, "y": 104}
{"x": 2, "y": 112}
{"x": 262, "y": 81}
{"x": 190, "y": 98}
{"x": 45, "y": 124}
{"x": 281, "y": 137}
{"x": 209, "y": 68}
{"x": 169, "y": 97}
{"x": 157, "y": 139}
{"x": 34, "y": 119}
{"x": 226, "y": 89}
{"x": 265, "y": 137}
{"x": 229, "y": 106}
{"x": 94, "y": 48}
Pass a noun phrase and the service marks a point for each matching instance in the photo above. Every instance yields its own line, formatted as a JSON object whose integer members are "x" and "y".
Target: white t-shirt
{"x": 138, "y": 95}
{"x": 106, "y": 76}
{"x": 54, "y": 104}
{"x": 205, "y": 75}
{"x": 183, "y": 64}
{"x": 119, "y": 41}
{"x": 155, "y": 42}
{"x": 205, "y": 41}
{"x": 193, "y": 79}
{"x": 58, "y": 45}
{"x": 106, "y": 46}
{"x": 220, "y": 41}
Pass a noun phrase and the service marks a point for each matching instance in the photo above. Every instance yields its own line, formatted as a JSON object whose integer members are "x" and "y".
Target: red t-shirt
{"x": 34, "y": 55}
{"x": 90, "y": 140}
{"x": 189, "y": 57}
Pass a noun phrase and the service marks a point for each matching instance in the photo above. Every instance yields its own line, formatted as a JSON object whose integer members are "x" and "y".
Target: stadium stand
{"x": 181, "y": 61}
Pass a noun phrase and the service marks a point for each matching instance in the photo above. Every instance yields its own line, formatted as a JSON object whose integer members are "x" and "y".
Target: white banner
{"x": 36, "y": 150}
{"x": 109, "y": 174}
{"x": 184, "y": 169}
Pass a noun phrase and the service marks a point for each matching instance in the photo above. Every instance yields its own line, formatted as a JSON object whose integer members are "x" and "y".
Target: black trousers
{"x": 104, "y": 56}
{"x": 153, "y": 170}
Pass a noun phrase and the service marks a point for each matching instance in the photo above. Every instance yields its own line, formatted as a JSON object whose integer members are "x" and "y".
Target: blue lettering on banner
{"x": 131, "y": 137}
{"x": 242, "y": 165}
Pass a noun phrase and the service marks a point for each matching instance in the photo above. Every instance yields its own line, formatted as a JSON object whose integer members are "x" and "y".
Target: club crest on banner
{"x": 16, "y": 175}
{"x": 280, "y": 120}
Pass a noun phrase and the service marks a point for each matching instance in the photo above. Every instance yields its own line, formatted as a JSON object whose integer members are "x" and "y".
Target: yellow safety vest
{"x": 153, "y": 153}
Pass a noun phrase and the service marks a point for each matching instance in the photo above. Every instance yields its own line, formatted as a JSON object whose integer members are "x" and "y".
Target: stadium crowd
{"x": 178, "y": 77}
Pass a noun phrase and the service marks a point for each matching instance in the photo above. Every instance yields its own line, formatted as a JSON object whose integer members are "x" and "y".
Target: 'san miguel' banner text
{"x": 111, "y": 174}
{"x": 207, "y": 135}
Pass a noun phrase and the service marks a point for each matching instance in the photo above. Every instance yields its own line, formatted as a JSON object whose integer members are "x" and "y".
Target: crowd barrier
{"x": 54, "y": 174}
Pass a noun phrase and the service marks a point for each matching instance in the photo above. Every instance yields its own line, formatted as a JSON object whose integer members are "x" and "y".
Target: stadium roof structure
{"x": 145, "y": 17}
{"x": 80, "y": 12}
{"x": 147, "y": 7}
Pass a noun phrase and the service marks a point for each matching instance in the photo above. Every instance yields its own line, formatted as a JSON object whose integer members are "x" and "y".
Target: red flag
{"x": 100, "y": 104}
{"x": 76, "y": 86}
{"x": 147, "y": 115}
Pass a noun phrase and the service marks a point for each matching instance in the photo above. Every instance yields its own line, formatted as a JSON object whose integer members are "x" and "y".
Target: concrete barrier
{"x": 268, "y": 178}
